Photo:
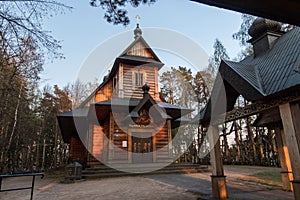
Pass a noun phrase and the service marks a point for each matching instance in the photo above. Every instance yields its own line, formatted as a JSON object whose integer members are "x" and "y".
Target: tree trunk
{"x": 15, "y": 117}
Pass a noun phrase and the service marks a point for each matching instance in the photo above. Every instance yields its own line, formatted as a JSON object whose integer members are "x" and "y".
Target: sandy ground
{"x": 165, "y": 186}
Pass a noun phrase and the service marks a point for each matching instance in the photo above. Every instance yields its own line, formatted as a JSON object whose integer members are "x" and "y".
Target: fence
{"x": 20, "y": 188}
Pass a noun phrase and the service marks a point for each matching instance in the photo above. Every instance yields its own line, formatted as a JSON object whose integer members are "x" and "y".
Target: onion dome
{"x": 262, "y": 25}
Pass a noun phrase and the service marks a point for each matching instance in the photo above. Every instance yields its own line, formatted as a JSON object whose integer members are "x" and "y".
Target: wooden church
{"x": 124, "y": 120}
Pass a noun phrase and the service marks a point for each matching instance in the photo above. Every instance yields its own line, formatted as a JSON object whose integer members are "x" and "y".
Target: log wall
{"x": 129, "y": 87}
{"x": 161, "y": 141}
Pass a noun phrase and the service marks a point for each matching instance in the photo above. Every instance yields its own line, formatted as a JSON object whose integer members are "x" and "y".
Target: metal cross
{"x": 137, "y": 19}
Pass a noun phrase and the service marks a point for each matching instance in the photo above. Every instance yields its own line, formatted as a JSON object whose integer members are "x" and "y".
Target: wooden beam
{"x": 218, "y": 179}
{"x": 285, "y": 162}
{"x": 255, "y": 108}
{"x": 290, "y": 114}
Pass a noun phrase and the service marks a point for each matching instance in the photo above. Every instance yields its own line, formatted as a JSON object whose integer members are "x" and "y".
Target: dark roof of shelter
{"x": 275, "y": 70}
{"x": 282, "y": 10}
{"x": 67, "y": 122}
{"x": 260, "y": 77}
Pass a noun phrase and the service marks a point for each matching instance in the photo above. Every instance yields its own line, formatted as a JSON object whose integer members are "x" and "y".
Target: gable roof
{"x": 274, "y": 71}
{"x": 131, "y": 59}
{"x": 147, "y": 99}
{"x": 257, "y": 78}
{"x": 126, "y": 57}
{"x": 143, "y": 42}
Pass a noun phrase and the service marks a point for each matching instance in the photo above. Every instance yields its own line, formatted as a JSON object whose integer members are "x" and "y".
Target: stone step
{"x": 145, "y": 169}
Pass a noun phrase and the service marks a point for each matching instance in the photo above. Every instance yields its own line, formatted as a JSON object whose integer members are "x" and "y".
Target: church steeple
{"x": 137, "y": 30}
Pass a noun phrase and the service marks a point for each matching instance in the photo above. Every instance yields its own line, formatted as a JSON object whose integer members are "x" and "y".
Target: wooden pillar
{"x": 111, "y": 137}
{"x": 129, "y": 147}
{"x": 156, "y": 92}
{"x": 285, "y": 162}
{"x": 154, "y": 152}
{"x": 120, "y": 82}
{"x": 218, "y": 179}
{"x": 170, "y": 139}
{"x": 290, "y": 115}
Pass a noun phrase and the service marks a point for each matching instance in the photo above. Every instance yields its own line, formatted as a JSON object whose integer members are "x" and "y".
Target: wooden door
{"x": 142, "y": 150}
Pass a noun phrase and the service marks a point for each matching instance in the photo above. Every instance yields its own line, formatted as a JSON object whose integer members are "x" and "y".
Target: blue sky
{"x": 84, "y": 28}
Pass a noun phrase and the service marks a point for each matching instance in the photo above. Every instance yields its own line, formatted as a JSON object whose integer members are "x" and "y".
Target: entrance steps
{"x": 116, "y": 170}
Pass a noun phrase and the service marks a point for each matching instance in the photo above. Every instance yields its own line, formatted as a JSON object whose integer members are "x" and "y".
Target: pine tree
{"x": 242, "y": 36}
{"x": 219, "y": 54}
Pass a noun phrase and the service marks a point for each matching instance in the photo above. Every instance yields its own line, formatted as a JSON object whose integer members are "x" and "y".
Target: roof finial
{"x": 146, "y": 88}
{"x": 108, "y": 67}
{"x": 137, "y": 30}
{"x": 137, "y": 20}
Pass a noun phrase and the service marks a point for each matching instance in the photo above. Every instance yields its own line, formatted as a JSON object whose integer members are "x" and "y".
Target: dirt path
{"x": 171, "y": 186}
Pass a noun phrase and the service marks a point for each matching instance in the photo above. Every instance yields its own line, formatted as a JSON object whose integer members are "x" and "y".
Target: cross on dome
{"x": 137, "y": 30}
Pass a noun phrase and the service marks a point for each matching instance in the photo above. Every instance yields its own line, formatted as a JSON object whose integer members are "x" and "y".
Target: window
{"x": 115, "y": 85}
{"x": 139, "y": 79}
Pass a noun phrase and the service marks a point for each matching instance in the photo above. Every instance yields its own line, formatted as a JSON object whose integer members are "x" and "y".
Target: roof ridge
{"x": 259, "y": 80}
{"x": 259, "y": 88}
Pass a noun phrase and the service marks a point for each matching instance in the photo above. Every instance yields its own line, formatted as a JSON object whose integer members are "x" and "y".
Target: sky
{"x": 85, "y": 35}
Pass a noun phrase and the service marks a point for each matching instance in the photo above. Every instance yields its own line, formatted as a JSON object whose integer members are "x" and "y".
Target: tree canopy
{"x": 24, "y": 19}
{"x": 115, "y": 10}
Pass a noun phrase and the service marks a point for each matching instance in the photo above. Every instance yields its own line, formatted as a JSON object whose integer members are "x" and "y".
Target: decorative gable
{"x": 140, "y": 49}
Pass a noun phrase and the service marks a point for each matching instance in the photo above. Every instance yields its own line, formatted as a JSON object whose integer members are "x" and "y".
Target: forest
{"x": 30, "y": 139}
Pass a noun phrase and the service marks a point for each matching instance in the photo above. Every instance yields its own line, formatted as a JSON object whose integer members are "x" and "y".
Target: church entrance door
{"x": 142, "y": 150}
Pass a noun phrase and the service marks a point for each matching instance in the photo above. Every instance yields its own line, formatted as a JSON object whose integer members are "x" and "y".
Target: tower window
{"x": 139, "y": 79}
{"x": 115, "y": 85}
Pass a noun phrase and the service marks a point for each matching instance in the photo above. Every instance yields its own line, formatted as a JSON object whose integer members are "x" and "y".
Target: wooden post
{"x": 170, "y": 139}
{"x": 120, "y": 82}
{"x": 129, "y": 148}
{"x": 111, "y": 137}
{"x": 218, "y": 179}
{"x": 154, "y": 148}
{"x": 156, "y": 92}
{"x": 285, "y": 163}
{"x": 290, "y": 115}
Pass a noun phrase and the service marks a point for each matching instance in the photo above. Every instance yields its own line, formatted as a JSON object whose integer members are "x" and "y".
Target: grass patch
{"x": 272, "y": 178}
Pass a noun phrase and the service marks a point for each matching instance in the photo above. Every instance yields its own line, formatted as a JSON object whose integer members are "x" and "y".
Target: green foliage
{"x": 115, "y": 11}
{"x": 219, "y": 54}
{"x": 182, "y": 88}
{"x": 242, "y": 36}
{"x": 177, "y": 86}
